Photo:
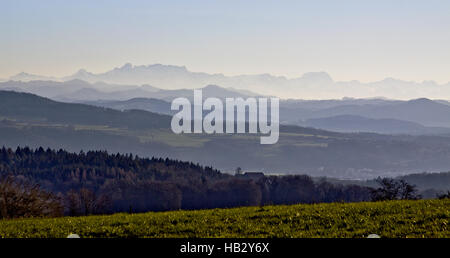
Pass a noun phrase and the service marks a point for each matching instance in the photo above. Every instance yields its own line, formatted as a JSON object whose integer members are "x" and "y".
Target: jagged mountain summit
{"x": 313, "y": 85}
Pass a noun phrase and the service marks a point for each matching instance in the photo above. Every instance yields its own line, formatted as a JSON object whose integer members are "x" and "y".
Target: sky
{"x": 351, "y": 40}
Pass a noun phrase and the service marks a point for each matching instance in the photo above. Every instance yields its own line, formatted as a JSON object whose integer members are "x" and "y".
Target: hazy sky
{"x": 362, "y": 40}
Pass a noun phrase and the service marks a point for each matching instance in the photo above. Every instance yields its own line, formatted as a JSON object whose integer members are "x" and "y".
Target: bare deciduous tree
{"x": 391, "y": 189}
{"x": 19, "y": 198}
{"x": 86, "y": 202}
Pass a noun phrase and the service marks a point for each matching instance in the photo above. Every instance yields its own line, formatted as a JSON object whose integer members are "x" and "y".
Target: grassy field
{"x": 400, "y": 219}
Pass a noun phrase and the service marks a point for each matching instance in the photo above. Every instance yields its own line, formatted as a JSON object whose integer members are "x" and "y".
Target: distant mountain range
{"x": 78, "y": 91}
{"x": 316, "y": 85}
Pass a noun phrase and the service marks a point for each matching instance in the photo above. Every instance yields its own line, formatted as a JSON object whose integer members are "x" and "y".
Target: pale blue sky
{"x": 362, "y": 40}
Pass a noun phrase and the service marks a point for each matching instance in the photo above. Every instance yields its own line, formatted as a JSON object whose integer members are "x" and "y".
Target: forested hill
{"x": 29, "y": 107}
{"x": 93, "y": 168}
{"x": 105, "y": 182}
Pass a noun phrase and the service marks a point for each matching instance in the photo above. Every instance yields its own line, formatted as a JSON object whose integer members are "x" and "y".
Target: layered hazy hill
{"x": 30, "y": 120}
{"x": 78, "y": 90}
{"x": 23, "y": 107}
{"x": 422, "y": 111}
{"x": 315, "y": 85}
{"x": 380, "y": 115}
{"x": 391, "y": 117}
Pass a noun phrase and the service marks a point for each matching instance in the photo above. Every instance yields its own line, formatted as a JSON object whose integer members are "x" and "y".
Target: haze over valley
{"x": 142, "y": 126}
{"x": 364, "y": 88}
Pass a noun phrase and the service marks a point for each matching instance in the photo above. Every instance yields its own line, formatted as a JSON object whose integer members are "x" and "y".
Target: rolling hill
{"x": 147, "y": 104}
{"x": 352, "y": 123}
{"x": 32, "y": 108}
{"x": 394, "y": 219}
{"x": 422, "y": 111}
{"x": 30, "y": 120}
{"x": 77, "y": 90}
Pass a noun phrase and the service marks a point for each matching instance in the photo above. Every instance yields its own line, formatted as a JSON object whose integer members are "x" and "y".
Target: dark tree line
{"x": 98, "y": 182}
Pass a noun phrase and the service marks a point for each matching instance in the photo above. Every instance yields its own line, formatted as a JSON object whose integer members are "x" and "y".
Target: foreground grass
{"x": 424, "y": 218}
